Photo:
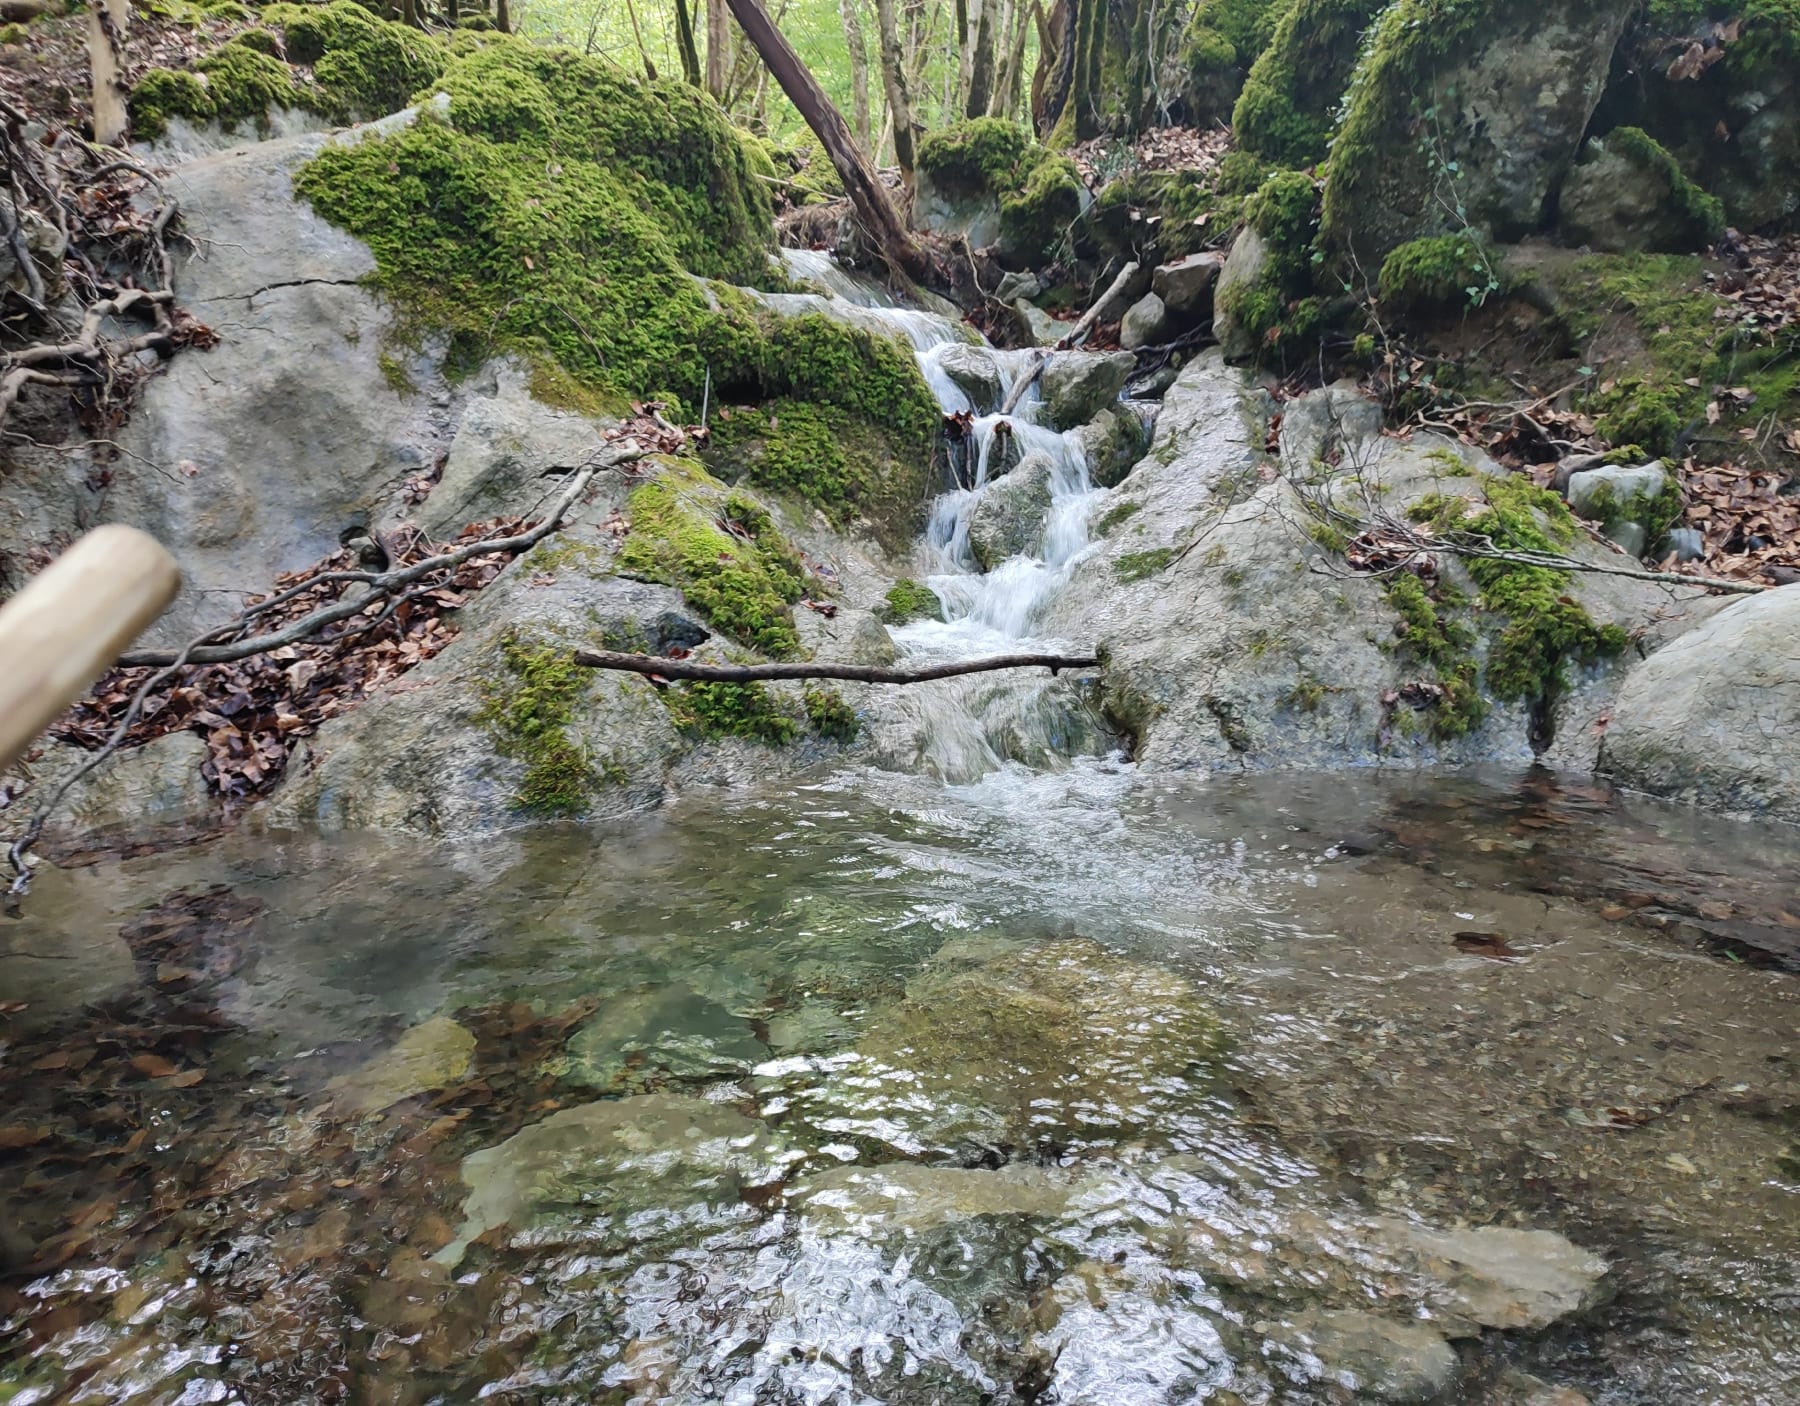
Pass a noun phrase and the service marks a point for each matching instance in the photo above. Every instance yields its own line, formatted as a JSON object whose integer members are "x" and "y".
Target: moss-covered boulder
{"x": 1628, "y": 196}
{"x": 988, "y": 181}
{"x": 1267, "y": 305}
{"x": 1222, "y": 42}
{"x": 1718, "y": 85}
{"x": 1289, "y": 103}
{"x": 1466, "y": 113}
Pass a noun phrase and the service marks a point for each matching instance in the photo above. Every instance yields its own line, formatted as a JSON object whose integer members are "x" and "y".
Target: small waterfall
{"x": 964, "y": 728}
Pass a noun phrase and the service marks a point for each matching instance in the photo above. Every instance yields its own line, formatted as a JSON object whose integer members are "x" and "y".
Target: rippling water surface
{"x": 1073, "y": 1088}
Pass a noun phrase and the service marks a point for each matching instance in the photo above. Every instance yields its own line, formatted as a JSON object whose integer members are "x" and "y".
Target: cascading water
{"x": 962, "y": 729}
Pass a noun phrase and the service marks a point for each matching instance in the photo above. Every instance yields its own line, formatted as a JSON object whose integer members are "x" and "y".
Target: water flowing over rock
{"x": 1008, "y": 518}
{"x": 1714, "y": 717}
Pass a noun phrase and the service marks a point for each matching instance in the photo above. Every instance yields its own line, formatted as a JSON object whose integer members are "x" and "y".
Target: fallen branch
{"x": 1484, "y": 549}
{"x": 650, "y": 664}
{"x": 1092, "y": 315}
{"x": 381, "y": 584}
{"x": 1025, "y": 383}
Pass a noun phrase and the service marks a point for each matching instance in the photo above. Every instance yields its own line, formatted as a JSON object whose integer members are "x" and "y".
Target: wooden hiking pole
{"x": 71, "y": 622}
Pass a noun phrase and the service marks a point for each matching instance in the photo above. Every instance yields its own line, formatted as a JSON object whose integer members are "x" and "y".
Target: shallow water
{"x": 1083, "y": 1087}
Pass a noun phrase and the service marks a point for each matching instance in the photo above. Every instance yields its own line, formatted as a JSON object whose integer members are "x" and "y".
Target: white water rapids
{"x": 966, "y": 728}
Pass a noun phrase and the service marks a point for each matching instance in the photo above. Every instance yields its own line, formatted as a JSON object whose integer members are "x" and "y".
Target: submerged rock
{"x": 1077, "y": 386}
{"x": 609, "y": 1161}
{"x": 430, "y": 1056}
{"x": 667, "y": 1032}
{"x": 1376, "y": 1358}
{"x": 1714, "y": 717}
{"x": 907, "y": 1196}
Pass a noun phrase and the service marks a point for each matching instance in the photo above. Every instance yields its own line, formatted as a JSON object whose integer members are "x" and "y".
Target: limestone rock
{"x": 1146, "y": 324}
{"x": 1008, "y": 521}
{"x": 1014, "y": 286}
{"x": 1386, "y": 1360}
{"x": 1623, "y": 199}
{"x": 1687, "y": 543}
{"x": 1249, "y": 256}
{"x": 1514, "y": 89}
{"x": 1042, "y": 329}
{"x": 1630, "y": 504}
{"x": 430, "y": 1056}
{"x": 974, "y": 373}
{"x": 669, "y": 1031}
{"x": 1714, "y": 717}
{"x": 1118, "y": 297}
{"x": 1112, "y": 441}
{"x": 652, "y": 1151}
{"x": 1495, "y": 1276}
{"x": 157, "y": 784}
{"x": 975, "y": 215}
{"x": 1077, "y": 386}
{"x": 1186, "y": 285}
{"x": 916, "y": 1198}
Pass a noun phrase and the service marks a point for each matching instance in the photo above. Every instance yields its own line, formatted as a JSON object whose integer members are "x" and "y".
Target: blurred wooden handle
{"x": 71, "y": 621}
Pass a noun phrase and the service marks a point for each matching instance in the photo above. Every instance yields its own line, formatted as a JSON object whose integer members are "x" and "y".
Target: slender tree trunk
{"x": 893, "y": 79}
{"x": 965, "y": 51}
{"x": 106, "y": 26}
{"x": 859, "y": 72}
{"x": 718, "y": 47}
{"x": 982, "y": 15}
{"x": 503, "y": 17}
{"x": 867, "y": 194}
{"x": 684, "y": 41}
{"x": 637, "y": 31}
{"x": 1007, "y": 89}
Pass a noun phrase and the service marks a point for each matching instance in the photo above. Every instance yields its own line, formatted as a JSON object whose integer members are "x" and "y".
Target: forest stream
{"x": 1018, "y": 1074}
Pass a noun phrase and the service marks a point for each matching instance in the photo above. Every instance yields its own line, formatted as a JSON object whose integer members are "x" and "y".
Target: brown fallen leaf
{"x": 186, "y": 1079}
{"x": 20, "y": 1136}
{"x": 153, "y": 1066}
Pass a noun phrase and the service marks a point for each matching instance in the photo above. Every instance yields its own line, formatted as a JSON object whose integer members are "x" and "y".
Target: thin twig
{"x": 650, "y": 664}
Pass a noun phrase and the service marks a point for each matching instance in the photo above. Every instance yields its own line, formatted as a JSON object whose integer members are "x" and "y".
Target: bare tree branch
{"x": 852, "y": 673}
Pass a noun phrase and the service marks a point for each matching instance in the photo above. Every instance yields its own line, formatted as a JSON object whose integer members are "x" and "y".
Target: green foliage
{"x": 908, "y": 601}
{"x": 558, "y": 216}
{"x": 745, "y": 710}
{"x": 1545, "y": 628}
{"x": 1287, "y": 107}
{"x": 1141, "y": 566}
{"x": 1282, "y": 309}
{"x": 1703, "y": 213}
{"x": 1437, "y": 275}
{"x": 831, "y": 717}
{"x": 366, "y": 67}
{"x": 723, "y": 552}
{"x": 529, "y": 711}
{"x": 1432, "y": 635}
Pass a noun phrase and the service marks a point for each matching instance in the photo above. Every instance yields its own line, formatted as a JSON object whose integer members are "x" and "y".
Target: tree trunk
{"x": 1007, "y": 90}
{"x": 684, "y": 41}
{"x": 503, "y": 17}
{"x": 637, "y": 32}
{"x": 718, "y": 47}
{"x": 982, "y": 15}
{"x": 893, "y": 79}
{"x": 107, "y": 23}
{"x": 873, "y": 208}
{"x": 859, "y": 73}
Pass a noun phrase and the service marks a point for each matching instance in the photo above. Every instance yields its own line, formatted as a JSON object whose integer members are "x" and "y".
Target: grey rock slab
{"x": 1014, "y": 286}
{"x": 1186, "y": 285}
{"x": 913, "y": 1197}
{"x": 1043, "y": 329}
{"x": 1611, "y": 492}
{"x": 1077, "y": 386}
{"x": 1008, "y": 519}
{"x": 1687, "y": 543}
{"x": 669, "y": 1031}
{"x": 616, "y": 1157}
{"x": 1146, "y": 324}
{"x": 431, "y": 1055}
{"x": 1249, "y": 257}
{"x": 1380, "y": 1359}
{"x": 1497, "y": 1276}
{"x": 1714, "y": 717}
{"x": 973, "y": 371}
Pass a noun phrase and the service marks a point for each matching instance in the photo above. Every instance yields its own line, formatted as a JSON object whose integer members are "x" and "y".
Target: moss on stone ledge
{"x": 1038, "y": 191}
{"x": 746, "y": 710}
{"x": 1286, "y": 111}
{"x": 722, "y": 551}
{"x": 908, "y": 601}
{"x": 529, "y": 710}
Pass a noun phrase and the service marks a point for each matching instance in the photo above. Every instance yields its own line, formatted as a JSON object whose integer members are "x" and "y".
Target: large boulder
{"x": 1077, "y": 386}
{"x": 1714, "y": 717}
{"x": 1237, "y": 635}
{"x": 1473, "y": 113}
{"x": 1244, "y": 269}
{"x": 1627, "y": 196}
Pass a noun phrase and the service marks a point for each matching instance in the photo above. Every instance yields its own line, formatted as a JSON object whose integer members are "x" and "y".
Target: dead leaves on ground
{"x": 1159, "y": 149}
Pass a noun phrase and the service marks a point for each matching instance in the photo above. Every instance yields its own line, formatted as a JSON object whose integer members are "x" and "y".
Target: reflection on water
{"x": 1070, "y": 1088}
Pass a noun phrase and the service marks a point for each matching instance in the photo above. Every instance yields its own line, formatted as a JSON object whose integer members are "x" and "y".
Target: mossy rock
{"x": 1219, "y": 48}
{"x": 988, "y": 177}
{"x": 1289, "y": 102}
{"x": 1439, "y": 276}
{"x": 1629, "y": 196}
{"x": 908, "y": 601}
{"x": 529, "y": 708}
{"x": 1269, "y": 306}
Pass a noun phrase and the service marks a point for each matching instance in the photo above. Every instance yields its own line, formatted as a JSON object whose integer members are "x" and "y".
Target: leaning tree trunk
{"x": 684, "y": 41}
{"x": 107, "y": 22}
{"x": 859, "y": 73}
{"x": 893, "y": 80}
{"x": 869, "y": 197}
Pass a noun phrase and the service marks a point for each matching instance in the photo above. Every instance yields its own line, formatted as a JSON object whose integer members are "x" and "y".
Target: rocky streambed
{"x": 1053, "y": 1087}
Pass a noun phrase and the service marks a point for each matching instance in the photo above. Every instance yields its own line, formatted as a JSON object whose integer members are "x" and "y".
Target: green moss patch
{"x": 722, "y": 551}
{"x": 1439, "y": 275}
{"x": 1286, "y": 111}
{"x": 1141, "y": 566}
{"x": 720, "y": 710}
{"x": 831, "y": 717}
{"x": 1038, "y": 191}
{"x": 1220, "y": 46}
{"x": 908, "y": 601}
{"x": 529, "y": 710}
{"x": 1282, "y": 311}
{"x": 1433, "y": 634}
